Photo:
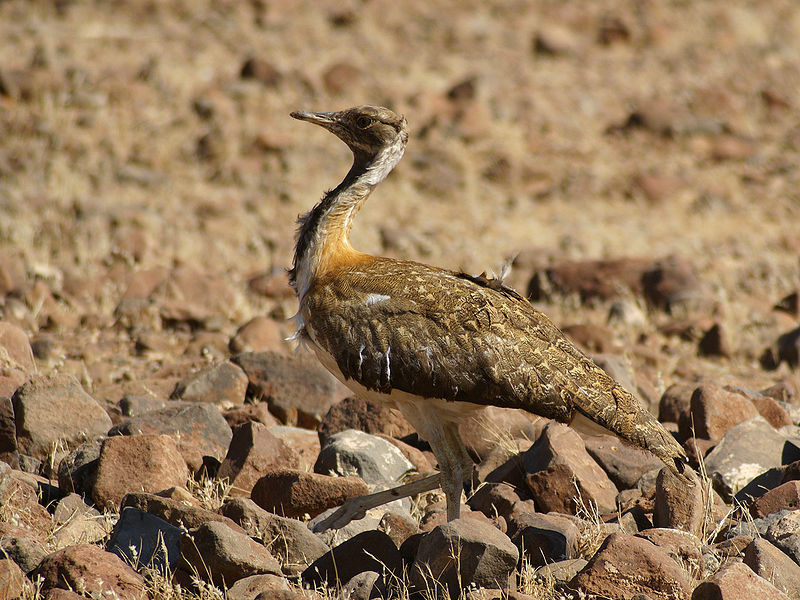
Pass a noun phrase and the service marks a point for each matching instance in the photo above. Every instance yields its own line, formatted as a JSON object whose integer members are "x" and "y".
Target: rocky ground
{"x": 636, "y": 163}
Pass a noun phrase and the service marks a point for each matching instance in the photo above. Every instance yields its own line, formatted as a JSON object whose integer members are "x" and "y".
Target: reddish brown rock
{"x": 591, "y": 279}
{"x": 303, "y": 441}
{"x": 714, "y": 410}
{"x": 91, "y": 571}
{"x": 137, "y": 463}
{"x": 254, "y": 586}
{"x": 774, "y": 413}
{"x": 494, "y": 499}
{"x": 298, "y": 389}
{"x": 657, "y": 187}
{"x": 675, "y": 403}
{"x": 729, "y": 147}
{"x": 8, "y": 432}
{"x": 260, "y": 70}
{"x": 253, "y": 451}
{"x": 553, "y": 40}
{"x": 672, "y": 282}
{"x": 222, "y": 556}
{"x": 682, "y": 546}
{"x": 295, "y": 493}
{"x": 15, "y": 348}
{"x": 363, "y": 415}
{"x": 775, "y": 566}
{"x": 734, "y": 582}
{"x": 678, "y": 504}
{"x": 198, "y": 428}
{"x": 591, "y": 337}
{"x": 624, "y": 463}
{"x": 543, "y": 539}
{"x": 560, "y": 469}
{"x": 785, "y": 496}
{"x": 288, "y": 540}
{"x": 20, "y": 501}
{"x": 180, "y": 513}
{"x": 625, "y": 566}
{"x": 259, "y": 334}
{"x": 715, "y": 342}
{"x": 485, "y": 557}
{"x": 13, "y": 583}
{"x": 258, "y": 413}
{"x": 398, "y": 527}
{"x": 53, "y": 409}
{"x": 224, "y": 384}
{"x": 340, "y": 77}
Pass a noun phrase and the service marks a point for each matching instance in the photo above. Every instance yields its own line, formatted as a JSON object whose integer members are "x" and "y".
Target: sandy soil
{"x": 129, "y": 140}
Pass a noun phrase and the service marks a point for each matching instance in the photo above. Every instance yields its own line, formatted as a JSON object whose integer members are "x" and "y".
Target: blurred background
{"x": 150, "y": 175}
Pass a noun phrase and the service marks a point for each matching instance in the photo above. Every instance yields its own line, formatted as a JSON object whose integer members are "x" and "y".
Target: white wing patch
{"x": 375, "y": 299}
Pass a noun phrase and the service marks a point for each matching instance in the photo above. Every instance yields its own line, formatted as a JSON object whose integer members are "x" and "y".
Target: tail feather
{"x": 628, "y": 420}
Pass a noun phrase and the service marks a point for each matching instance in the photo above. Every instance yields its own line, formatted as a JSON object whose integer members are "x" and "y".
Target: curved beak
{"x": 325, "y": 119}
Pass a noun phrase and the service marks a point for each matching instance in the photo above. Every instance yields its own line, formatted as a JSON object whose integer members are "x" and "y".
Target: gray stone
{"x": 785, "y": 534}
{"x": 746, "y": 451}
{"x": 464, "y": 553}
{"x": 288, "y": 540}
{"x": 754, "y": 527}
{"x": 355, "y": 453}
{"x": 142, "y": 539}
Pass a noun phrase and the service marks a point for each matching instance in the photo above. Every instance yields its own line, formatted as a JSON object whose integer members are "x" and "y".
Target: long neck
{"x": 323, "y": 238}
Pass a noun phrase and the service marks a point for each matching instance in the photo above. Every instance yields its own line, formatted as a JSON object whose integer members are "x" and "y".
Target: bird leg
{"x": 356, "y": 508}
{"x": 455, "y": 465}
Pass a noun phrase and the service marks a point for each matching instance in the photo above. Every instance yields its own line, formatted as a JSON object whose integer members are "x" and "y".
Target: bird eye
{"x": 363, "y": 122}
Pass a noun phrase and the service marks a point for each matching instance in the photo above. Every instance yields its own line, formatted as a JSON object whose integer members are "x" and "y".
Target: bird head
{"x": 367, "y": 130}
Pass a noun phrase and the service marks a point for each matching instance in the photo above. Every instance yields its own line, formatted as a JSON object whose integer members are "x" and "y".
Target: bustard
{"x": 436, "y": 344}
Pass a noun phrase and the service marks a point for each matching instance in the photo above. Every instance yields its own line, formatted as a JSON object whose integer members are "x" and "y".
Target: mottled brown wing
{"x": 436, "y": 334}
